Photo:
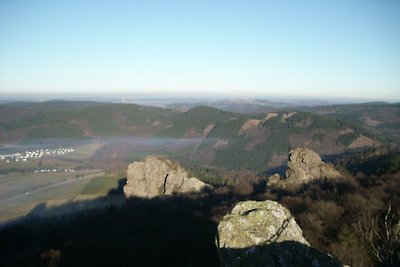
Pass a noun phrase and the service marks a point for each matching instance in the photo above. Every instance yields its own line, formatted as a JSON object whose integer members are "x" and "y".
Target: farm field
{"x": 44, "y": 186}
{"x": 22, "y": 193}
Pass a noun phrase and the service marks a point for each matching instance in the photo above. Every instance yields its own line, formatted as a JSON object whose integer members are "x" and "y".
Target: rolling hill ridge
{"x": 202, "y": 135}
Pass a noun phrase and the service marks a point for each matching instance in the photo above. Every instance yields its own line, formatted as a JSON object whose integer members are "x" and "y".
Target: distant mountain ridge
{"x": 220, "y": 138}
{"x": 249, "y": 106}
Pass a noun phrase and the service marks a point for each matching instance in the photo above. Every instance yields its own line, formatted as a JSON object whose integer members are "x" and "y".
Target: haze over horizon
{"x": 347, "y": 49}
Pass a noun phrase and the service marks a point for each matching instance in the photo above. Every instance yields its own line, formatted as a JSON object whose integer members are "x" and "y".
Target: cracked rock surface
{"x": 258, "y": 223}
{"x": 304, "y": 165}
{"x": 264, "y": 233}
{"x": 158, "y": 176}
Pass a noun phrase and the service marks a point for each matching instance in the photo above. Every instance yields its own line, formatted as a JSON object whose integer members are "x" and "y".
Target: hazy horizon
{"x": 144, "y": 98}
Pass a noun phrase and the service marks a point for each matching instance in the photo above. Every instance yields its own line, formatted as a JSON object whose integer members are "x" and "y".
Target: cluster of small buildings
{"x": 53, "y": 170}
{"x": 39, "y": 153}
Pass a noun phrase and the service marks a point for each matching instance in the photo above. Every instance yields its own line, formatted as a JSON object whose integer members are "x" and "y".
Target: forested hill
{"x": 224, "y": 139}
{"x": 378, "y": 117}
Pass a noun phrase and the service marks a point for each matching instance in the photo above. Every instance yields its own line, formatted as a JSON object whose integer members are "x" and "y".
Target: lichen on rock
{"x": 263, "y": 233}
{"x": 158, "y": 176}
{"x": 258, "y": 223}
{"x": 304, "y": 165}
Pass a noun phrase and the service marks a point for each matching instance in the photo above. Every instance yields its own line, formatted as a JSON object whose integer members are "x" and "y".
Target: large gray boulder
{"x": 304, "y": 165}
{"x": 253, "y": 223}
{"x": 263, "y": 233}
{"x": 158, "y": 176}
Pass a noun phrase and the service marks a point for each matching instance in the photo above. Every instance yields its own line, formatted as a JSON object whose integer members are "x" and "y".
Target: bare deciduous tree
{"x": 381, "y": 236}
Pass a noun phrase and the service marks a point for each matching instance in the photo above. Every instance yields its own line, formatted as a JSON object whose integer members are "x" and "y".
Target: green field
{"x": 23, "y": 191}
{"x": 101, "y": 186}
{"x": 9, "y": 167}
{"x": 19, "y": 183}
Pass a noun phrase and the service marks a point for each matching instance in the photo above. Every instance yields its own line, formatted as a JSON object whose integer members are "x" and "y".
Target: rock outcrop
{"x": 158, "y": 176}
{"x": 263, "y": 233}
{"x": 304, "y": 165}
{"x": 275, "y": 181}
{"x": 255, "y": 223}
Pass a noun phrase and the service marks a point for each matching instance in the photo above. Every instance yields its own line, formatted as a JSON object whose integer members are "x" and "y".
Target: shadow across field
{"x": 168, "y": 231}
{"x": 120, "y": 188}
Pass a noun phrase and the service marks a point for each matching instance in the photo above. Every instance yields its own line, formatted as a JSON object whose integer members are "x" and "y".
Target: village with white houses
{"x": 36, "y": 154}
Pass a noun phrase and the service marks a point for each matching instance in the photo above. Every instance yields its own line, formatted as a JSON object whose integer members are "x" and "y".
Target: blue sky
{"x": 227, "y": 48}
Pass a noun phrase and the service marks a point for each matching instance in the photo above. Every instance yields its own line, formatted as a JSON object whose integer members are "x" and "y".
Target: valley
{"x": 51, "y": 178}
{"x": 202, "y": 135}
{"x": 64, "y": 163}
{"x": 53, "y": 145}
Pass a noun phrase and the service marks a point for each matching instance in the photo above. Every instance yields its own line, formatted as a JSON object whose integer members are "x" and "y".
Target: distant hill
{"x": 380, "y": 118}
{"x": 201, "y": 135}
{"x": 249, "y": 106}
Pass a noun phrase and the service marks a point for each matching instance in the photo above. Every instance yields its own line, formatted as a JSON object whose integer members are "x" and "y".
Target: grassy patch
{"x": 100, "y": 186}
{"x": 54, "y": 163}
{"x": 27, "y": 166}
